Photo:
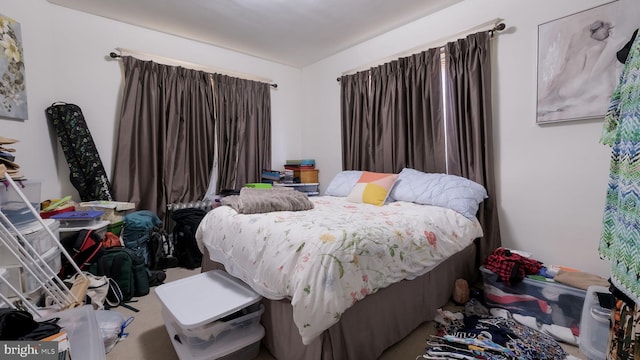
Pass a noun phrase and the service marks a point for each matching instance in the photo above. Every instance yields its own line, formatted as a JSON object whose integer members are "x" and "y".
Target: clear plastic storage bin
{"x": 51, "y": 258}
{"x": 212, "y": 315}
{"x": 548, "y": 301}
{"x": 14, "y": 207}
{"x": 37, "y": 236}
{"x": 81, "y": 325}
{"x": 243, "y": 345}
{"x": 218, "y": 330}
{"x": 594, "y": 330}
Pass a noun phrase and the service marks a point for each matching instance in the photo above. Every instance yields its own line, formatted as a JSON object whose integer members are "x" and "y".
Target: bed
{"x": 347, "y": 279}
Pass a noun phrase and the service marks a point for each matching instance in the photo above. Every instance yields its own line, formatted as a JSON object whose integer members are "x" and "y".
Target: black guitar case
{"x": 87, "y": 173}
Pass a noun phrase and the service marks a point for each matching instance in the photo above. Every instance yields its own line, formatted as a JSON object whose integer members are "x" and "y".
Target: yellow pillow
{"x": 372, "y": 188}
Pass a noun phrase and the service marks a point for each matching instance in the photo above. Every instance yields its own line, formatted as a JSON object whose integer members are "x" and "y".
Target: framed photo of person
{"x": 577, "y": 64}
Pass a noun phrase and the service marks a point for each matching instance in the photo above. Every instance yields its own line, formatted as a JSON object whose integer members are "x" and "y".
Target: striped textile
{"x": 620, "y": 239}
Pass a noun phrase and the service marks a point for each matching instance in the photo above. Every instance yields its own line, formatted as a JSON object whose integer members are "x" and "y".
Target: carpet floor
{"x": 148, "y": 337}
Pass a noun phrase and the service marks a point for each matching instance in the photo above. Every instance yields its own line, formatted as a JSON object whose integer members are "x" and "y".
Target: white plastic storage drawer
{"x": 25, "y": 282}
{"x": 594, "y": 328}
{"x": 200, "y": 299}
{"x": 210, "y": 313}
{"x": 37, "y": 236}
{"x": 14, "y": 207}
{"x": 52, "y": 258}
{"x": 218, "y": 330}
{"x": 239, "y": 345}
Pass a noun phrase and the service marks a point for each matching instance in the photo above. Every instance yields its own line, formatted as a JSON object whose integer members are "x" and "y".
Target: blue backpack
{"x": 136, "y": 231}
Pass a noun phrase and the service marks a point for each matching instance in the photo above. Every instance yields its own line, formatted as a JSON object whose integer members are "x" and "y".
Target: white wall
{"x": 66, "y": 59}
{"x": 551, "y": 180}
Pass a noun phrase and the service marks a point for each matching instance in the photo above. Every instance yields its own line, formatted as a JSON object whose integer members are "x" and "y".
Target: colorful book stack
{"x": 7, "y": 158}
{"x": 304, "y": 164}
{"x": 270, "y": 176}
{"x": 304, "y": 171}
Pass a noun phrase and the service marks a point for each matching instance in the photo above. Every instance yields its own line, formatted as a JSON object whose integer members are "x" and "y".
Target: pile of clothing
{"x": 479, "y": 333}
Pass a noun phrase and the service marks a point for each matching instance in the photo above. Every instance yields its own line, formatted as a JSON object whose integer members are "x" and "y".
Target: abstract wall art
{"x": 13, "y": 95}
{"x": 577, "y": 65}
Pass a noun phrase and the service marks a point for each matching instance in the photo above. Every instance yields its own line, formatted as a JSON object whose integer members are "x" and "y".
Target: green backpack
{"x": 126, "y": 268}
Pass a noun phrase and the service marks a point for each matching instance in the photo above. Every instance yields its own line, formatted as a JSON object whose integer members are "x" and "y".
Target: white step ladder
{"x": 34, "y": 264}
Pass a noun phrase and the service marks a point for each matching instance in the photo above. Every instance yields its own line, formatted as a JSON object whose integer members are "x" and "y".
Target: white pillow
{"x": 450, "y": 191}
{"x": 343, "y": 183}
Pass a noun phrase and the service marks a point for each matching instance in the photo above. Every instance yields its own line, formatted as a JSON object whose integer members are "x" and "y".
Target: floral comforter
{"x": 326, "y": 259}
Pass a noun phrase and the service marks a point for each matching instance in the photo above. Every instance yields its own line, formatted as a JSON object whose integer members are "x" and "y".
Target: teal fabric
{"x": 620, "y": 239}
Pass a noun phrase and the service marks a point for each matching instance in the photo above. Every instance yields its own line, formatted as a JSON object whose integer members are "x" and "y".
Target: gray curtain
{"x": 390, "y": 111}
{"x": 469, "y": 126}
{"x": 355, "y": 125}
{"x": 165, "y": 141}
{"x": 424, "y": 115}
{"x": 243, "y": 114}
{"x": 393, "y": 117}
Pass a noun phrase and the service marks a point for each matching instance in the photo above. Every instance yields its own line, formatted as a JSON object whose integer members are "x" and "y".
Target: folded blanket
{"x": 580, "y": 279}
{"x": 255, "y": 201}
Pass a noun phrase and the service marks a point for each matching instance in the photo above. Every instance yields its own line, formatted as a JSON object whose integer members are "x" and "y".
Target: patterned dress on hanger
{"x": 620, "y": 241}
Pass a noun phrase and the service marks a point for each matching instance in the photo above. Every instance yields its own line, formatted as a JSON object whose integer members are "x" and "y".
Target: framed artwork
{"x": 577, "y": 64}
{"x": 13, "y": 95}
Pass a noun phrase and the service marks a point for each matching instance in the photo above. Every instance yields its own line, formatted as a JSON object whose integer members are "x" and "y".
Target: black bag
{"x": 184, "y": 235}
{"x": 44, "y": 329}
{"x": 161, "y": 250}
{"x": 15, "y": 324}
{"x": 85, "y": 249}
{"x": 87, "y": 174}
{"x": 127, "y": 269}
{"x": 19, "y": 325}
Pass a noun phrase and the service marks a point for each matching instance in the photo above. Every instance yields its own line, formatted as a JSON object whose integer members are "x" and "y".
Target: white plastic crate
{"x": 13, "y": 274}
{"x": 239, "y": 345}
{"x": 222, "y": 319}
{"x": 218, "y": 330}
{"x": 53, "y": 259}
{"x": 100, "y": 228}
{"x": 594, "y": 328}
{"x": 37, "y": 236}
{"x": 12, "y": 205}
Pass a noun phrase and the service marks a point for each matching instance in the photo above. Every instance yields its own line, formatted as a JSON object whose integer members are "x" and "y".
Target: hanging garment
{"x": 87, "y": 174}
{"x": 620, "y": 239}
{"x": 624, "y": 331}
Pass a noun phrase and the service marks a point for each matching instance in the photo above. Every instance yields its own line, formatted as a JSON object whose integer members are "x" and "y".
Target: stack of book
{"x": 7, "y": 158}
{"x": 304, "y": 171}
{"x": 271, "y": 176}
{"x": 304, "y": 164}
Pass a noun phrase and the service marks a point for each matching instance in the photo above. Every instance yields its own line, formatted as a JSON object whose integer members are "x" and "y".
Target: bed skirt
{"x": 374, "y": 323}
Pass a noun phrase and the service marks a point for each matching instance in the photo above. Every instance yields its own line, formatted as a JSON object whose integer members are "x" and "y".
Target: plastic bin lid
{"x": 202, "y": 298}
{"x": 78, "y": 215}
{"x": 35, "y": 226}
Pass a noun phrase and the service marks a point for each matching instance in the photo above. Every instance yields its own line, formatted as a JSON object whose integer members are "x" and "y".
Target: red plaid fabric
{"x": 511, "y": 267}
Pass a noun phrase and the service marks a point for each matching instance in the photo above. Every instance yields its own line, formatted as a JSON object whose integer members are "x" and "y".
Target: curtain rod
{"x": 497, "y": 23}
{"x": 169, "y": 61}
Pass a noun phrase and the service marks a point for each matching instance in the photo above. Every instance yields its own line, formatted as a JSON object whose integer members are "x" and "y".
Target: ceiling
{"x": 292, "y": 32}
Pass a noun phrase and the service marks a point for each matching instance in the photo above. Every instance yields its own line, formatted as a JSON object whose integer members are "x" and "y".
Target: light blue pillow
{"x": 450, "y": 191}
{"x": 343, "y": 183}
